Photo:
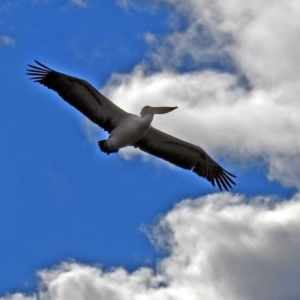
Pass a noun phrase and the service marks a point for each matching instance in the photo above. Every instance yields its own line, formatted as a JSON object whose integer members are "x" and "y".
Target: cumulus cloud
{"x": 252, "y": 33}
{"x": 247, "y": 111}
{"x": 220, "y": 246}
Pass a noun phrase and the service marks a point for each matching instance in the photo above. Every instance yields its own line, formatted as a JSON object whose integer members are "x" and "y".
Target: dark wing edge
{"x": 80, "y": 94}
{"x": 38, "y": 73}
{"x": 186, "y": 156}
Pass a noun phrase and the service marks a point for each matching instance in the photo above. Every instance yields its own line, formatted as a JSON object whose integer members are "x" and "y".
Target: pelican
{"x": 127, "y": 129}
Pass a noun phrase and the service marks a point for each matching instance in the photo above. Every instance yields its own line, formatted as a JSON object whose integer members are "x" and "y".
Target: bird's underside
{"x": 100, "y": 110}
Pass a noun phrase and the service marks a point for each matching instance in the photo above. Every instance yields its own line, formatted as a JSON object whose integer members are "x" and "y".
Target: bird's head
{"x": 156, "y": 110}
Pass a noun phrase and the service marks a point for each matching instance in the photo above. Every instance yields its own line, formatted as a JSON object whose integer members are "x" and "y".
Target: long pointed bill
{"x": 160, "y": 110}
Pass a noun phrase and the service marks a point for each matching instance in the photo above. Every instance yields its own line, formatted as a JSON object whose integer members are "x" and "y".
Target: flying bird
{"x": 127, "y": 129}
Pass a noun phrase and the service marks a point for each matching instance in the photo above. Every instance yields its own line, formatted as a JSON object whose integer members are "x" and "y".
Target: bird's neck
{"x": 147, "y": 118}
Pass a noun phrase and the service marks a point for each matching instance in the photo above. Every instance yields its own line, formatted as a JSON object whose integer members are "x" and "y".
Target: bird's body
{"x": 126, "y": 129}
{"x": 131, "y": 129}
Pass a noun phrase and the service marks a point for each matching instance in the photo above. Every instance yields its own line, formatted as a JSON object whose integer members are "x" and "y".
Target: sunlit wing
{"x": 186, "y": 156}
{"x": 80, "y": 94}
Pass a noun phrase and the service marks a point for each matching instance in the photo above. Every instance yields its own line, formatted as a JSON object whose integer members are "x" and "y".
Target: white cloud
{"x": 7, "y": 40}
{"x": 260, "y": 36}
{"x": 217, "y": 114}
{"x": 216, "y": 111}
{"x": 221, "y": 246}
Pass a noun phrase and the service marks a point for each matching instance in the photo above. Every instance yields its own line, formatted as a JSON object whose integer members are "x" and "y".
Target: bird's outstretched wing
{"x": 84, "y": 97}
{"x": 80, "y": 94}
{"x": 186, "y": 156}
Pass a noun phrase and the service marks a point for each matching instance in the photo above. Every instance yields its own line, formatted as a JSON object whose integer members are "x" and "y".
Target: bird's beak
{"x": 160, "y": 110}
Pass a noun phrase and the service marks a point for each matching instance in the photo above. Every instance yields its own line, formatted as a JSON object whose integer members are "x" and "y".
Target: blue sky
{"x": 68, "y": 208}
